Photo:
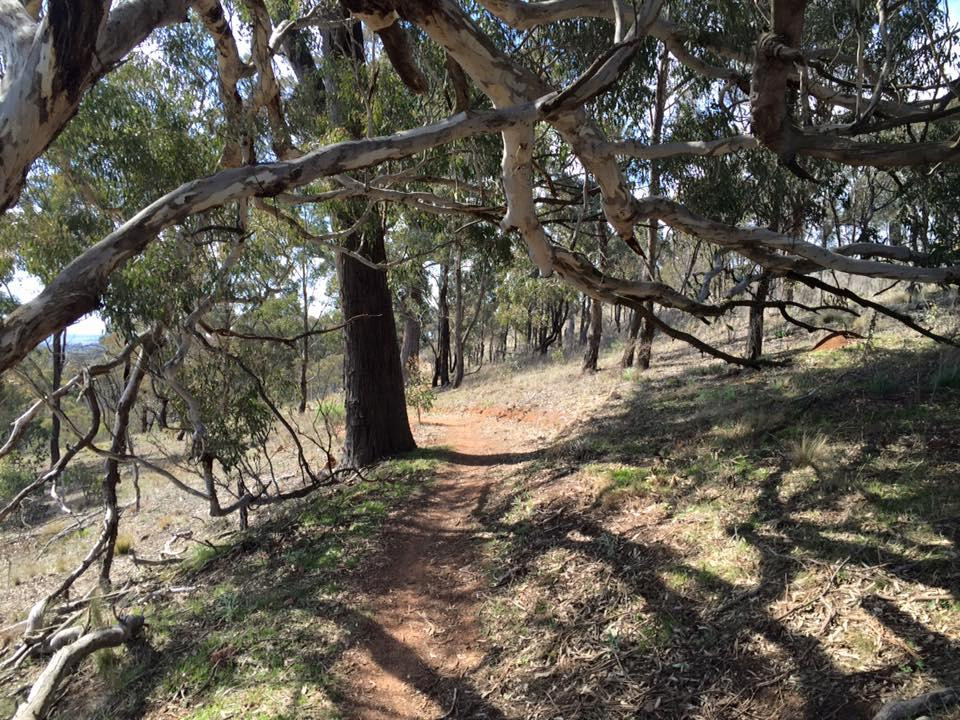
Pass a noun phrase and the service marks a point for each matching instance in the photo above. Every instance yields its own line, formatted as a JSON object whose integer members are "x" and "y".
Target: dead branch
{"x": 931, "y": 702}
{"x": 66, "y": 659}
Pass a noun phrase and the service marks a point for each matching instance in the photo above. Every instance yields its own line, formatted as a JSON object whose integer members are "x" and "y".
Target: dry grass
{"x": 811, "y": 450}
{"x": 124, "y": 544}
{"x": 672, "y": 555}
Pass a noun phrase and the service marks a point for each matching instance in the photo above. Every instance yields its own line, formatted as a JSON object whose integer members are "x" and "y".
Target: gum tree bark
{"x": 305, "y": 346}
{"x": 458, "y": 338}
{"x": 755, "y": 337}
{"x": 51, "y": 63}
{"x": 118, "y": 447}
{"x": 649, "y": 329}
{"x": 596, "y": 331}
{"x": 376, "y": 410}
{"x": 67, "y": 658}
{"x": 596, "y": 314}
{"x": 58, "y": 360}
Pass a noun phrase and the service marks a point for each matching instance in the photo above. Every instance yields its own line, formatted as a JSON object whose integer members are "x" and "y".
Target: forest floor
{"x": 688, "y": 542}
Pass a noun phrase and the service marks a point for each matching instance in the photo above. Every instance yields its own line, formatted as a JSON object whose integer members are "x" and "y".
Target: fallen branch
{"x": 66, "y": 659}
{"x": 920, "y": 705}
{"x": 150, "y": 562}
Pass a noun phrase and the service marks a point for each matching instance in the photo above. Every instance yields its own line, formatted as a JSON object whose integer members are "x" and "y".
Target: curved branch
{"x": 77, "y": 288}
{"x": 722, "y": 146}
{"x": 930, "y": 702}
{"x": 66, "y": 659}
{"x": 751, "y": 241}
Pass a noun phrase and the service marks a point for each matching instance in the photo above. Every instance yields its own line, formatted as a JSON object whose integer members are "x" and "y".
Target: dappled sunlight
{"x": 794, "y": 568}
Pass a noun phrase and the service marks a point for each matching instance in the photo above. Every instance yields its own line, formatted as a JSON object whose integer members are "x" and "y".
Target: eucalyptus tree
{"x": 814, "y": 105}
{"x": 809, "y": 88}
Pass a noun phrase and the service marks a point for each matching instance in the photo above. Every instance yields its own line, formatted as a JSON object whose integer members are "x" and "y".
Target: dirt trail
{"x": 422, "y": 636}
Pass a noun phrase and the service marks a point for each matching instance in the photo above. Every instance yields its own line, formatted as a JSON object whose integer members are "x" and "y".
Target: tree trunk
{"x": 59, "y": 359}
{"x": 410, "y": 352}
{"x": 376, "y": 409}
{"x": 648, "y": 330}
{"x": 118, "y": 446}
{"x": 305, "y": 349}
{"x": 584, "y": 319}
{"x": 458, "y": 321}
{"x": 162, "y": 415}
{"x": 645, "y": 347}
{"x": 626, "y": 359}
{"x": 596, "y": 307}
{"x": 596, "y": 330}
{"x": 755, "y": 338}
{"x": 441, "y": 375}
{"x": 569, "y": 335}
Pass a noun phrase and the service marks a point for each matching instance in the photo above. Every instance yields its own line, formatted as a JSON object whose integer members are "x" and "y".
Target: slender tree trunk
{"x": 626, "y": 359}
{"x": 569, "y": 335}
{"x": 376, "y": 409}
{"x": 305, "y": 349}
{"x": 648, "y": 330}
{"x": 135, "y": 474}
{"x": 410, "y": 351}
{"x": 441, "y": 375}
{"x": 59, "y": 360}
{"x": 596, "y": 308}
{"x": 596, "y": 331}
{"x": 755, "y": 337}
{"x": 111, "y": 479}
{"x": 458, "y": 321}
{"x": 584, "y": 319}
{"x": 645, "y": 343}
{"x": 162, "y": 415}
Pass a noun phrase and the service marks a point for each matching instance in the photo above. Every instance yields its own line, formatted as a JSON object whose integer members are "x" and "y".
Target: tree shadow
{"x": 730, "y": 648}
{"x": 272, "y": 614}
{"x": 454, "y": 457}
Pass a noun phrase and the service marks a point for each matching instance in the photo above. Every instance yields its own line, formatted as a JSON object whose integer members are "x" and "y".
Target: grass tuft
{"x": 811, "y": 451}
{"x": 124, "y": 544}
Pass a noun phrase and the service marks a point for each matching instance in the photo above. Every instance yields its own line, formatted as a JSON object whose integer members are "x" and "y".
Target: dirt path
{"x": 422, "y": 636}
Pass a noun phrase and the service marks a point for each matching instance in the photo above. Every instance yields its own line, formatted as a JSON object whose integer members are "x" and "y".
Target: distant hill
{"x": 81, "y": 340}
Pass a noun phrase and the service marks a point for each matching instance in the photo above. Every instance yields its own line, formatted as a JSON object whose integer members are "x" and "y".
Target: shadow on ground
{"x": 714, "y": 545}
{"x": 717, "y": 544}
{"x": 272, "y": 614}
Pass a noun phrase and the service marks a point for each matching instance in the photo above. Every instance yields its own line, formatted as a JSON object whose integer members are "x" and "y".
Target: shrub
{"x": 420, "y": 394}
{"x": 331, "y": 412}
{"x": 14, "y": 476}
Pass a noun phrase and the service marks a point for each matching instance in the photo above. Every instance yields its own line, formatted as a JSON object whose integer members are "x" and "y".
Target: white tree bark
{"x": 67, "y": 658}
{"x": 74, "y": 44}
